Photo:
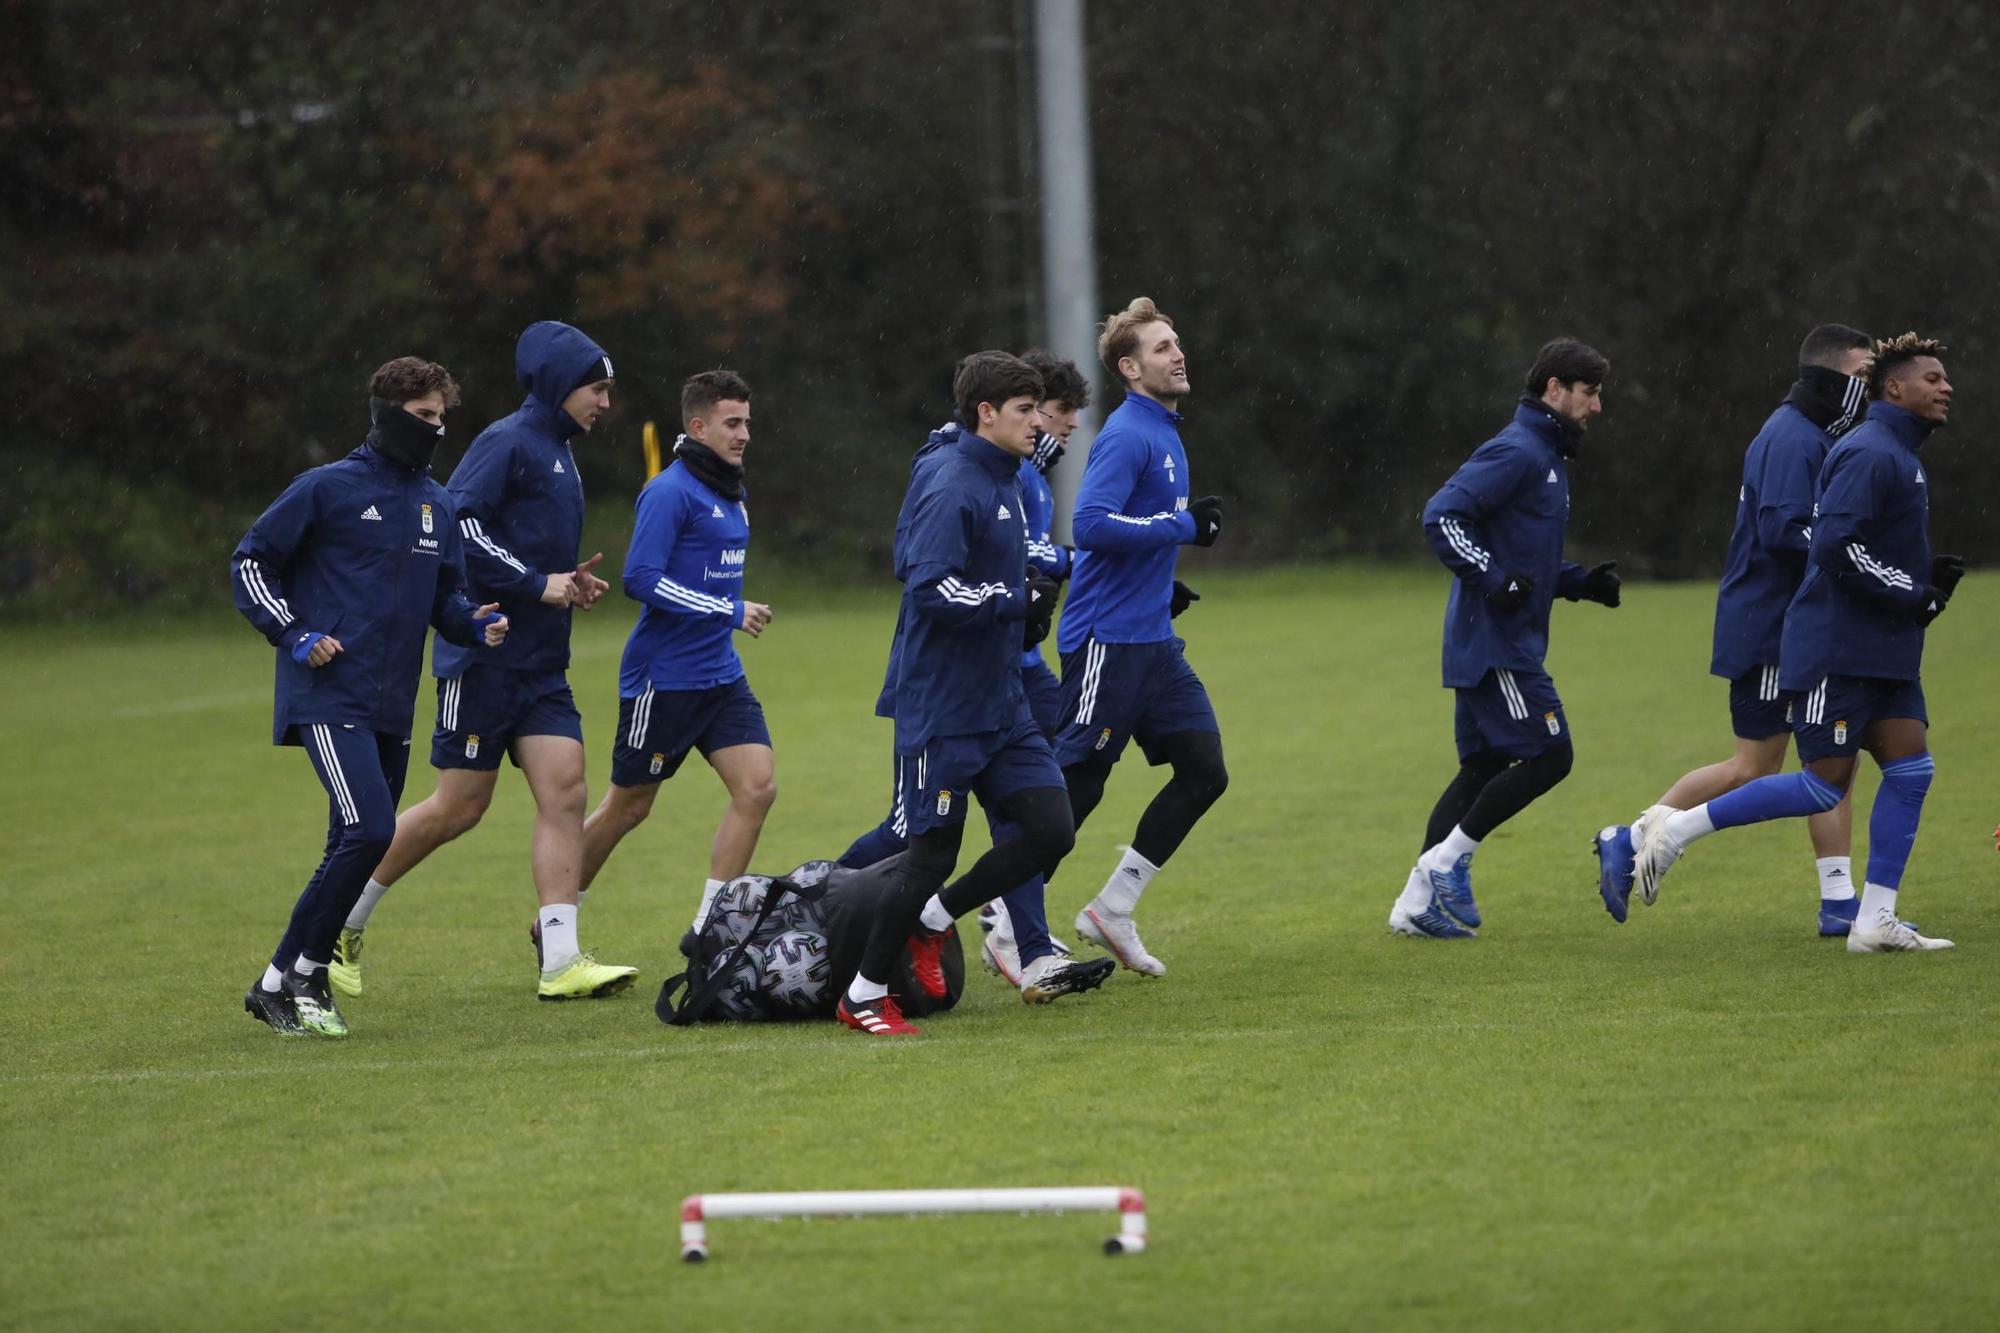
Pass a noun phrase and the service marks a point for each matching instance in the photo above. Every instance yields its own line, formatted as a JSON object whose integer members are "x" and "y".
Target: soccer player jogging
{"x": 1498, "y": 527}
{"x": 963, "y": 724}
{"x": 1852, "y": 650}
{"x": 1767, "y": 559}
{"x": 1125, "y": 676}
{"x": 681, "y": 685}
{"x": 342, "y": 574}
{"x": 519, "y": 498}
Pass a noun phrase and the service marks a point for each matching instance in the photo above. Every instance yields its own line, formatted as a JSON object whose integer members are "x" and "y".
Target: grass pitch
{"x": 1707, "y": 1117}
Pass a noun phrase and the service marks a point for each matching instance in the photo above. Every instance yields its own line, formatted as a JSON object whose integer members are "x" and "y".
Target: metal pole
{"x": 1069, "y": 225}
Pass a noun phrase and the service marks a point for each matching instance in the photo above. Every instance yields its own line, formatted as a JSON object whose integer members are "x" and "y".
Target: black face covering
{"x": 407, "y": 439}
{"x": 1830, "y": 400}
{"x": 712, "y": 469}
{"x": 1571, "y": 442}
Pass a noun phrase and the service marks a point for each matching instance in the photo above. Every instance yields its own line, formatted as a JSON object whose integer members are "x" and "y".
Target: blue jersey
{"x": 685, "y": 565}
{"x": 1130, "y": 521}
{"x": 1503, "y": 512}
{"x": 365, "y": 550}
{"x": 1043, "y": 553}
{"x": 1767, "y": 547}
{"x": 961, "y": 554}
{"x": 520, "y": 504}
{"x": 1868, "y": 575}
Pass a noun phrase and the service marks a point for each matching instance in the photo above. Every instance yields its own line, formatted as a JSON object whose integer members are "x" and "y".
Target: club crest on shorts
{"x": 1554, "y": 724}
{"x": 426, "y": 511}
{"x": 1840, "y": 732}
{"x": 659, "y": 762}
{"x": 944, "y": 801}
{"x": 1103, "y": 739}
{"x": 472, "y": 747}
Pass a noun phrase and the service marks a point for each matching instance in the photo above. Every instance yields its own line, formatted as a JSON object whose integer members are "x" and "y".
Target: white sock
{"x": 935, "y": 918}
{"x": 364, "y": 907}
{"x": 1836, "y": 878}
{"x": 709, "y": 888}
{"x": 861, "y": 990}
{"x": 273, "y": 980}
{"x": 1876, "y": 900}
{"x": 1416, "y": 894}
{"x": 559, "y": 947}
{"x": 1121, "y": 892}
{"x": 305, "y": 966}
{"x": 1686, "y": 826}
{"x": 1457, "y": 844}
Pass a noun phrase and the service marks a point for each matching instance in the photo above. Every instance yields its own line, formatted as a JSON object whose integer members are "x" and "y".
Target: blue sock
{"x": 1780, "y": 796}
{"x": 1892, "y": 823}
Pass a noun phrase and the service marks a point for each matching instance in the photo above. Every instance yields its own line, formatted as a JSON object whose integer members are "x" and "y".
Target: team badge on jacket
{"x": 944, "y": 802}
{"x": 472, "y": 747}
{"x": 427, "y": 517}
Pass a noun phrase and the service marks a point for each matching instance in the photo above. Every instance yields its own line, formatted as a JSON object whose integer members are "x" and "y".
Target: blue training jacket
{"x": 1767, "y": 548}
{"x": 1868, "y": 577}
{"x": 685, "y": 568}
{"x": 366, "y": 550}
{"x": 1129, "y": 524}
{"x": 928, "y": 456}
{"x": 1503, "y": 512}
{"x": 1043, "y": 553}
{"x": 961, "y": 554}
{"x": 520, "y": 504}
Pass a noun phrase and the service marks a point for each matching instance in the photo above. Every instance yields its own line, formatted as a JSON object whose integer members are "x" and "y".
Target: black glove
{"x": 1513, "y": 592}
{"x": 1935, "y": 599}
{"x": 1042, "y": 592}
{"x": 1184, "y": 597}
{"x": 1946, "y": 571}
{"x": 1207, "y": 514}
{"x": 1601, "y": 584}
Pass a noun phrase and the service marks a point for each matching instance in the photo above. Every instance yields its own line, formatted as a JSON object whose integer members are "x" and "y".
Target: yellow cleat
{"x": 345, "y": 969}
{"x": 585, "y": 979}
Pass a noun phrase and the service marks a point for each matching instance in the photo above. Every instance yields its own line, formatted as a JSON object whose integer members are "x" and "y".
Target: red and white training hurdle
{"x": 698, "y": 1210}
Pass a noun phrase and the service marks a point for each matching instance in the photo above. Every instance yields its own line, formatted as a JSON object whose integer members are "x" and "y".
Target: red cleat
{"x": 927, "y": 962}
{"x": 877, "y": 1018}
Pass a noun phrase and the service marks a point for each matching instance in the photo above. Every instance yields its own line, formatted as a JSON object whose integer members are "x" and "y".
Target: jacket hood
{"x": 552, "y": 358}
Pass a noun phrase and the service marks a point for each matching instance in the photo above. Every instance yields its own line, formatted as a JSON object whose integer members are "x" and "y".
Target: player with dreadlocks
{"x": 1852, "y": 649}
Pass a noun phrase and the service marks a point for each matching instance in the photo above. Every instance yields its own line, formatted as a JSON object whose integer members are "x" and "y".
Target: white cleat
{"x": 1002, "y": 955}
{"x": 1653, "y": 852}
{"x": 1114, "y": 933}
{"x": 1885, "y": 934}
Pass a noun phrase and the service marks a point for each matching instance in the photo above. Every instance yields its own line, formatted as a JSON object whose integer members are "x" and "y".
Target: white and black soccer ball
{"x": 740, "y": 995}
{"x": 797, "y": 970}
{"x": 736, "y": 906}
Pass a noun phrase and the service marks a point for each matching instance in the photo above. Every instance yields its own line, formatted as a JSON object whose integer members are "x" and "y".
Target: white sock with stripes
{"x": 1121, "y": 892}
{"x": 559, "y": 946}
{"x": 709, "y": 888}
{"x": 1445, "y": 855}
{"x": 273, "y": 980}
{"x": 1836, "y": 878}
{"x": 364, "y": 907}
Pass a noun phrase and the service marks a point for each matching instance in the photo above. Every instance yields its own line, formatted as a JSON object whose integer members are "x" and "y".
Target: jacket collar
{"x": 551, "y": 419}
{"x": 1153, "y": 407}
{"x": 1909, "y": 432}
{"x": 988, "y": 455}
{"x": 1542, "y": 422}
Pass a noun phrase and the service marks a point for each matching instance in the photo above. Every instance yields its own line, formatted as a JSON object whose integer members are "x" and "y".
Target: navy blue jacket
{"x": 1130, "y": 522}
{"x": 366, "y": 550}
{"x": 1767, "y": 548}
{"x": 685, "y": 568}
{"x": 520, "y": 504}
{"x": 928, "y": 456}
{"x": 961, "y": 554}
{"x": 1856, "y": 612}
{"x": 1503, "y": 512}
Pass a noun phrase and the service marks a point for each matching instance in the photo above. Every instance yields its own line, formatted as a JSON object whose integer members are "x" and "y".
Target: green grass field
{"x": 1705, "y": 1118}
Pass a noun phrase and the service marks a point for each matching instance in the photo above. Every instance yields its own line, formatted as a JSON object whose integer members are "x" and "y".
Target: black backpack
{"x": 779, "y": 947}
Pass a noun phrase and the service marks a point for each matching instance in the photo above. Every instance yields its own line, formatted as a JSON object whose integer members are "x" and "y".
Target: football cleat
{"x": 345, "y": 969}
{"x": 1433, "y": 923}
{"x": 876, "y": 1018}
{"x": 1052, "y": 976}
{"x": 1002, "y": 956}
{"x": 585, "y": 979}
{"x": 1613, "y": 845}
{"x": 1886, "y": 934}
{"x": 1453, "y": 889}
{"x": 1653, "y": 852}
{"x": 312, "y": 1000}
{"x": 274, "y": 1008}
{"x": 1836, "y": 916}
{"x": 992, "y": 915}
{"x": 1115, "y": 933}
{"x": 927, "y": 962}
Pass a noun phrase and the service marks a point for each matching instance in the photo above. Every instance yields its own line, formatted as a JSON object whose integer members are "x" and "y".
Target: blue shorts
{"x": 482, "y": 712}
{"x": 1515, "y": 713}
{"x": 1830, "y": 720}
{"x": 658, "y": 728}
{"x": 1044, "y": 693}
{"x": 1757, "y": 707}
{"x": 935, "y": 785}
{"x": 1116, "y": 692}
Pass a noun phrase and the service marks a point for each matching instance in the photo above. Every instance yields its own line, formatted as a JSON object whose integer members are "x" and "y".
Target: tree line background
{"x": 218, "y": 218}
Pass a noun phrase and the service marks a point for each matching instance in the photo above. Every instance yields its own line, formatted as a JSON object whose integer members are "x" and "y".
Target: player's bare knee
{"x": 757, "y": 796}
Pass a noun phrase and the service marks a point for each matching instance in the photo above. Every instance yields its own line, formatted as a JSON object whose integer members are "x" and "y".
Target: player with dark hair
{"x": 519, "y": 498}
{"x": 1498, "y": 527}
{"x": 963, "y": 725}
{"x": 681, "y": 685}
{"x": 1125, "y": 673}
{"x": 1852, "y": 651}
{"x": 1767, "y": 558}
{"x": 342, "y": 574}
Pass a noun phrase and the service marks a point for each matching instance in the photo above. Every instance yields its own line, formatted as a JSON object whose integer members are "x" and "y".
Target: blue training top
{"x": 685, "y": 566}
{"x": 1130, "y": 521}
